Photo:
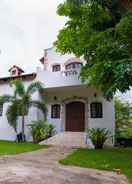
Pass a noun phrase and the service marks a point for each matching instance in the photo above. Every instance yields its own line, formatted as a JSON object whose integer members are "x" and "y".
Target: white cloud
{"x": 27, "y": 27}
{"x": 126, "y": 97}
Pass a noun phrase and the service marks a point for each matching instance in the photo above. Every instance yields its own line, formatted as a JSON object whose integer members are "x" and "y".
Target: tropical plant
{"x": 122, "y": 113}
{"x": 40, "y": 130}
{"x": 98, "y": 136}
{"x": 125, "y": 133}
{"x": 21, "y": 101}
{"x": 101, "y": 32}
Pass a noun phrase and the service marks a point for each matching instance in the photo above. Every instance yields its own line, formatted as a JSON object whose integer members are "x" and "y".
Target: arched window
{"x": 56, "y": 68}
{"x": 96, "y": 110}
{"x": 55, "y": 111}
{"x": 74, "y": 65}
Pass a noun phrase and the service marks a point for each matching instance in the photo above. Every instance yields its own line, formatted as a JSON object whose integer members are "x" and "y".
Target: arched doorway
{"x": 75, "y": 117}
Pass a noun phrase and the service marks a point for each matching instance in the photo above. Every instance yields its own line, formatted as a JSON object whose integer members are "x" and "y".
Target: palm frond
{"x": 35, "y": 86}
{"x": 21, "y": 101}
{"x": 12, "y": 114}
{"x": 40, "y": 105}
{"x": 19, "y": 87}
{"x": 6, "y": 99}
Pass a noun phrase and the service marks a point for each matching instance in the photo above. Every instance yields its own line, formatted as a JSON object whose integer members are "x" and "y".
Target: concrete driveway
{"x": 42, "y": 167}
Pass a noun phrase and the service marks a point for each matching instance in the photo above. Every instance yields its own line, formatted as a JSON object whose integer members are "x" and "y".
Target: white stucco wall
{"x": 55, "y": 122}
{"x": 63, "y": 77}
{"x": 58, "y": 79}
{"x": 56, "y": 58}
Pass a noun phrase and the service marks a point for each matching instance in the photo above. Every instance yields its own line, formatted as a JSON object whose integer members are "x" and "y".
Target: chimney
{"x": 44, "y": 60}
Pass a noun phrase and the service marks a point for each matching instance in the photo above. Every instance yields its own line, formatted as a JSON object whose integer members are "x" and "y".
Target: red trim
{"x": 42, "y": 60}
{"x": 26, "y": 77}
{"x": 19, "y": 69}
{"x": 66, "y": 66}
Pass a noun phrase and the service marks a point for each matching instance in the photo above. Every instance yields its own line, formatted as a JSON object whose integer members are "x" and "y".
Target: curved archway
{"x": 73, "y": 65}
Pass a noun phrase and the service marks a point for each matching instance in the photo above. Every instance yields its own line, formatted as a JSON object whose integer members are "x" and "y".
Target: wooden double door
{"x": 75, "y": 117}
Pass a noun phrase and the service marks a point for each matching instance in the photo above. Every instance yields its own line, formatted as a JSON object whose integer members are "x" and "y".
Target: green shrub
{"x": 40, "y": 130}
{"x": 124, "y": 133}
{"x": 98, "y": 136}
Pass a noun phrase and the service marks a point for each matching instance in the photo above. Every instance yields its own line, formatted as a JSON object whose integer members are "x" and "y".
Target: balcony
{"x": 59, "y": 79}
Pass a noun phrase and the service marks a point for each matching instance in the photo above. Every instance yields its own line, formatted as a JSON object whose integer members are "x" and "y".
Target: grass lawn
{"x": 11, "y": 148}
{"x": 107, "y": 159}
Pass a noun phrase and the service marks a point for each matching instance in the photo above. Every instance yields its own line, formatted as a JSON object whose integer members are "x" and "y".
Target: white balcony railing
{"x": 68, "y": 73}
{"x": 59, "y": 79}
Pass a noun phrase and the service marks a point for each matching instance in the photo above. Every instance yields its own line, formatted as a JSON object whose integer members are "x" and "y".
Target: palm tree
{"x": 21, "y": 101}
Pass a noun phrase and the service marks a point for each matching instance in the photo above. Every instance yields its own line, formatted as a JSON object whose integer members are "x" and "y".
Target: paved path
{"x": 42, "y": 167}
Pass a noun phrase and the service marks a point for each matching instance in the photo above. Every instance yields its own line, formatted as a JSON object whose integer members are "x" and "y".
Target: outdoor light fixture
{"x": 55, "y": 98}
{"x": 95, "y": 95}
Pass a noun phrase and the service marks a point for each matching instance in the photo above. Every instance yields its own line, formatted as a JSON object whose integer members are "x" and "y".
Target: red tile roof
{"x": 15, "y": 66}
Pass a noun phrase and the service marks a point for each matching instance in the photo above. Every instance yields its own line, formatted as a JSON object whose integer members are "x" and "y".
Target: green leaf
{"x": 99, "y": 31}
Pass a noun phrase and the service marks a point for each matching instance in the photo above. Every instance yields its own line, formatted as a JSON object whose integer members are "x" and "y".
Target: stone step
{"x": 68, "y": 139}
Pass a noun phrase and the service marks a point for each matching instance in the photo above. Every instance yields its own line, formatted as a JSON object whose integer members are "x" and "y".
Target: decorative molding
{"x": 72, "y": 60}
{"x": 75, "y": 98}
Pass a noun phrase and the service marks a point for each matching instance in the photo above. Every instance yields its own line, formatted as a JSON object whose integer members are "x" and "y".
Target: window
{"x": 1, "y": 109}
{"x": 56, "y": 68}
{"x": 96, "y": 110}
{"x": 13, "y": 72}
{"x": 73, "y": 66}
{"x": 55, "y": 111}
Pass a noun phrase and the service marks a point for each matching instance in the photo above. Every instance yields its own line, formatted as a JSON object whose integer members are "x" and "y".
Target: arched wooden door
{"x": 75, "y": 117}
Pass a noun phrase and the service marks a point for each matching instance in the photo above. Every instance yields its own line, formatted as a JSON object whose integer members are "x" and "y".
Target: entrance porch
{"x": 77, "y": 108}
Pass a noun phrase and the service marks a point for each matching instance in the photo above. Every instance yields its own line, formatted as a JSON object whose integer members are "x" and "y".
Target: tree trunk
{"x": 23, "y": 127}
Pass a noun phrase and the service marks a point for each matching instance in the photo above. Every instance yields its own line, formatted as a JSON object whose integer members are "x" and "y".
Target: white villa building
{"x": 72, "y": 106}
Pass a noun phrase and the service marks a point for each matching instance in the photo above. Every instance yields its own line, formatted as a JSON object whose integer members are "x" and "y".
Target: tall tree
{"x": 100, "y": 31}
{"x": 122, "y": 113}
{"x": 21, "y": 101}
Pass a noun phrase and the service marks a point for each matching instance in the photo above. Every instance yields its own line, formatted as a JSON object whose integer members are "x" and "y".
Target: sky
{"x": 27, "y": 27}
